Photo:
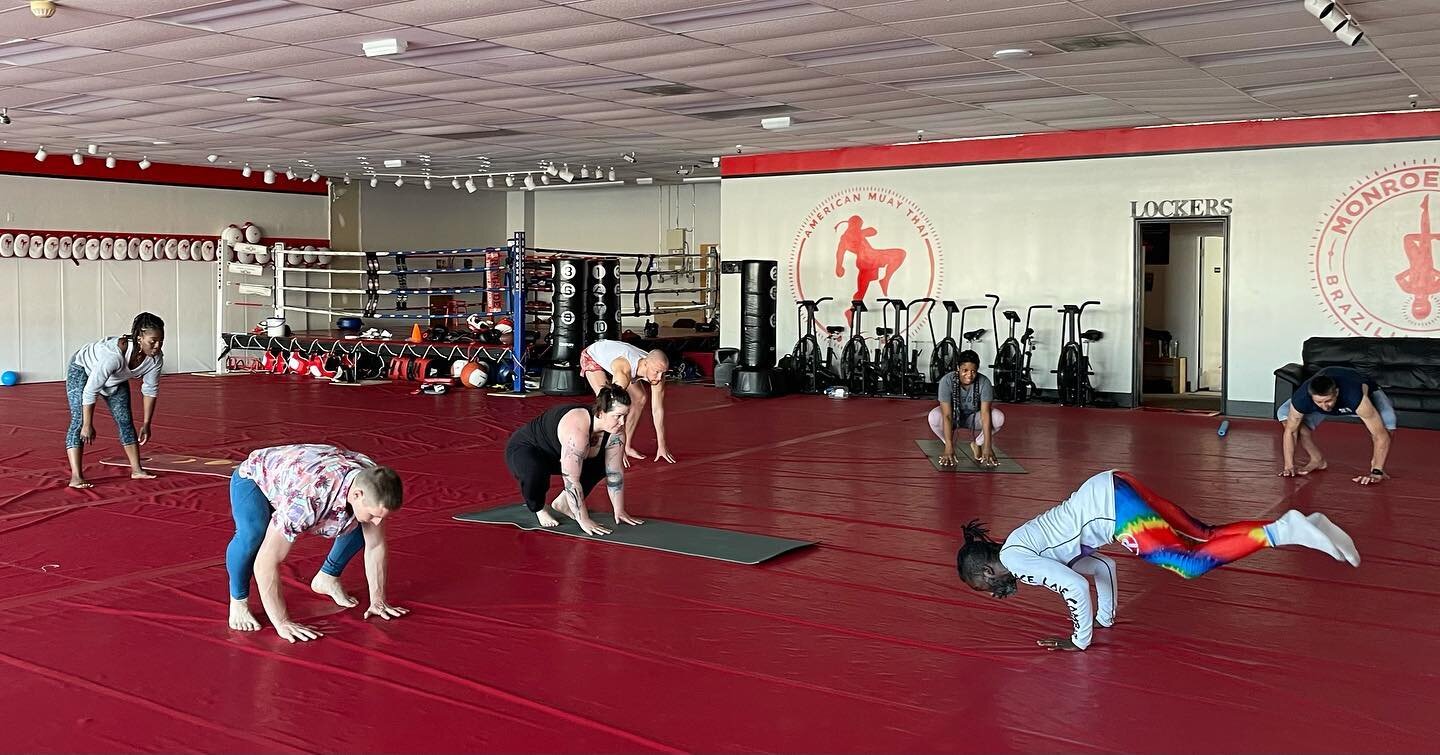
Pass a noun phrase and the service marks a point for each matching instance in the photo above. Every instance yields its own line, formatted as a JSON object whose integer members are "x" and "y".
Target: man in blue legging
{"x": 278, "y": 493}
{"x": 1337, "y": 392}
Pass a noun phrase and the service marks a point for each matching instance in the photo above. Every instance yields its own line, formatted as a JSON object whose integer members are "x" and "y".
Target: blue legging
{"x": 251, "y": 510}
{"x": 119, "y": 402}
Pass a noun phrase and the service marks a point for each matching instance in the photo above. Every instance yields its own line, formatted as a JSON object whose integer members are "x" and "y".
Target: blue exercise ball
{"x": 10, "y": 377}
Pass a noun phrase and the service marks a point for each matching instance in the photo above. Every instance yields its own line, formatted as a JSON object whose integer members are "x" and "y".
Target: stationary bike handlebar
{"x": 815, "y": 304}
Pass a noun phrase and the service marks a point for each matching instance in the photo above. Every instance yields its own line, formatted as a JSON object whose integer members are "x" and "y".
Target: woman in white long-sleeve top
{"x": 104, "y": 368}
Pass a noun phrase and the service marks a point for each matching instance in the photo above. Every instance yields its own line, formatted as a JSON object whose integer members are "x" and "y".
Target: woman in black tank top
{"x": 583, "y": 444}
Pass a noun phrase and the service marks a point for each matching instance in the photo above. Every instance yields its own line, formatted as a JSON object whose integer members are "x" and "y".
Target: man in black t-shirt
{"x": 1335, "y": 392}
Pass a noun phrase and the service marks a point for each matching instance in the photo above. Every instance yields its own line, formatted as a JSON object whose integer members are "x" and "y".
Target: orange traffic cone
{"x": 415, "y": 335}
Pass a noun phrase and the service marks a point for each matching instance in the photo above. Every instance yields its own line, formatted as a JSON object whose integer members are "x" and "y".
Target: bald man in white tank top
{"x": 627, "y": 366}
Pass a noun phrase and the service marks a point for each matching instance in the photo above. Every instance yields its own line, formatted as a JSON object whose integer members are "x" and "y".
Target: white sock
{"x": 1292, "y": 528}
{"x": 1338, "y": 536}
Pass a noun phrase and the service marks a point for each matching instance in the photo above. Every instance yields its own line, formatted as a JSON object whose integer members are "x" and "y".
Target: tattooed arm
{"x": 615, "y": 478}
{"x": 574, "y": 440}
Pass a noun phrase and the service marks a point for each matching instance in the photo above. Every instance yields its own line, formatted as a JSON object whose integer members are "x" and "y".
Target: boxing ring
{"x": 509, "y": 324}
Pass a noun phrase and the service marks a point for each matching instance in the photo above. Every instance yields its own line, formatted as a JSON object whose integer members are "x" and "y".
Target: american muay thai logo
{"x": 865, "y": 243}
{"x": 1375, "y": 255}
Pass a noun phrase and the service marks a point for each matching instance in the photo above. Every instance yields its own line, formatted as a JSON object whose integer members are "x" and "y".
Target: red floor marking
{"x": 865, "y": 643}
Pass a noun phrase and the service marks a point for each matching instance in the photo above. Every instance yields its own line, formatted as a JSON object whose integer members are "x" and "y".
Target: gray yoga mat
{"x": 690, "y": 540}
{"x": 966, "y": 465}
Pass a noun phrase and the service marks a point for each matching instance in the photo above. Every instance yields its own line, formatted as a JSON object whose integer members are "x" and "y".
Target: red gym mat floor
{"x": 112, "y": 600}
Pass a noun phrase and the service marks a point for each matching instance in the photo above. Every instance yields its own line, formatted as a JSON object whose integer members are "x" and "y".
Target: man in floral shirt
{"x": 279, "y": 493}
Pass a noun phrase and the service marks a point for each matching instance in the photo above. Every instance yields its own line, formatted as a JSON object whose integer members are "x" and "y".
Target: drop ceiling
{"x": 502, "y": 85}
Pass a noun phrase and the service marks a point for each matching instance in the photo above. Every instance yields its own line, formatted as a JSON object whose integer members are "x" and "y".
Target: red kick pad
{"x": 181, "y": 463}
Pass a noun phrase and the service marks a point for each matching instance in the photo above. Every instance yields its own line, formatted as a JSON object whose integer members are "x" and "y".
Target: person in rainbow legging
{"x": 1058, "y": 549}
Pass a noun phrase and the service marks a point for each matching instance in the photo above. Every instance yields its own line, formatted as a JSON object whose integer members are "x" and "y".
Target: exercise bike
{"x": 970, "y": 336}
{"x": 945, "y": 353}
{"x": 856, "y": 369}
{"x": 1072, "y": 373}
{"x": 1012, "y": 358}
{"x": 1026, "y": 387}
{"x": 806, "y": 368}
{"x": 895, "y": 360}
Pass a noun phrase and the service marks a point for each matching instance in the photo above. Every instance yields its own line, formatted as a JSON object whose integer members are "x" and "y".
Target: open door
{"x": 1180, "y": 338}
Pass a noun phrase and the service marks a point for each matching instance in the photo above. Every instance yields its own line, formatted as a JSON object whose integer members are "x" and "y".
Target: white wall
{"x": 50, "y": 307}
{"x": 1052, "y": 232}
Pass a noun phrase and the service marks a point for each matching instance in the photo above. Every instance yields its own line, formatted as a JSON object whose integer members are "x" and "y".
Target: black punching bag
{"x": 759, "y": 289}
{"x": 571, "y": 281}
{"x": 604, "y": 300}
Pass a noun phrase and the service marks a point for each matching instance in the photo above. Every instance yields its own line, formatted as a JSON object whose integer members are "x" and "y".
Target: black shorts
{"x": 533, "y": 467}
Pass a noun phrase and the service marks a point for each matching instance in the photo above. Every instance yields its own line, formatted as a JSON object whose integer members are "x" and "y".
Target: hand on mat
{"x": 591, "y": 528}
{"x": 631, "y": 453}
{"x": 384, "y": 610}
{"x": 1370, "y": 479}
{"x": 1056, "y": 643}
{"x": 663, "y": 453}
{"x": 987, "y": 458}
{"x": 621, "y": 516}
{"x": 293, "y": 632}
{"x": 947, "y": 459}
{"x": 87, "y": 434}
{"x": 1287, "y": 472}
{"x": 144, "y": 435}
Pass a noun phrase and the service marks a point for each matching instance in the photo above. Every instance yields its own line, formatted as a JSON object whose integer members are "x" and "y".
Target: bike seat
{"x": 835, "y": 330}
{"x": 1092, "y": 335}
{"x": 1071, "y": 309}
{"x": 882, "y": 331}
{"x": 1011, "y": 316}
{"x": 975, "y": 335}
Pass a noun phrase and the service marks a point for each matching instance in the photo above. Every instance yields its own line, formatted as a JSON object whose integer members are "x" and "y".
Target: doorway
{"x": 1181, "y": 314}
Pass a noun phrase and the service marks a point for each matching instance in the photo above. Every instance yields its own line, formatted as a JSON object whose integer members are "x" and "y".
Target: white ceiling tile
{"x": 123, "y": 35}
{"x": 1016, "y": 36}
{"x": 822, "y": 41}
{"x": 579, "y": 36}
{"x": 274, "y": 57}
{"x": 21, "y": 23}
{"x": 320, "y": 28}
{"x": 201, "y": 47}
{"x": 524, "y": 22}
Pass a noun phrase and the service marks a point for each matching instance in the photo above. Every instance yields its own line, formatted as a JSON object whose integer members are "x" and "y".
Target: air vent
{"x": 667, "y": 90}
{"x": 1097, "y": 42}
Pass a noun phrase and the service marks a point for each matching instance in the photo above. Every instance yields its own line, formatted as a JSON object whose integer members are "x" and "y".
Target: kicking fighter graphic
{"x": 1421, "y": 280}
{"x": 868, "y": 259}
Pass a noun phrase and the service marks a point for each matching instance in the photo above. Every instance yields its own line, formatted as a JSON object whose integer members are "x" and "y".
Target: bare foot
{"x": 324, "y": 584}
{"x": 1315, "y": 465}
{"x": 79, "y": 483}
{"x": 546, "y": 518}
{"x": 562, "y": 506}
{"x": 975, "y": 451}
{"x": 140, "y": 474}
{"x": 241, "y": 620}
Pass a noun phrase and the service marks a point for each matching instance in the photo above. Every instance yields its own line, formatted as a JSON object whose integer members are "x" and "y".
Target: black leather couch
{"x": 1407, "y": 369}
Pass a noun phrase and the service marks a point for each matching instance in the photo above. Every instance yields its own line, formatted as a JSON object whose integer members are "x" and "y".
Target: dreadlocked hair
{"x": 977, "y": 551}
{"x": 146, "y": 323}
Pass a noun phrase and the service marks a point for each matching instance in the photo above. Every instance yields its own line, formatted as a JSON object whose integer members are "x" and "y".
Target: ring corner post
{"x": 517, "y": 310}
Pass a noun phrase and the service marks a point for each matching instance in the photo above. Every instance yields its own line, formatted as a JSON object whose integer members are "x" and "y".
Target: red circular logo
{"x": 865, "y": 243}
{"x": 1375, "y": 254}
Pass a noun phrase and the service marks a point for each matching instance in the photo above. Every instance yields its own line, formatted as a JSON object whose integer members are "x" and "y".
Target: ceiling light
{"x": 782, "y": 121}
{"x": 611, "y": 175}
{"x": 1011, "y": 52}
{"x": 736, "y": 14}
{"x": 269, "y": 176}
{"x": 529, "y": 181}
{"x": 212, "y": 158}
{"x": 4, "y": 116}
{"x": 394, "y": 163}
{"x": 509, "y": 180}
{"x": 1318, "y": 8}
{"x": 347, "y": 179}
{"x": 290, "y": 173}
{"x": 315, "y": 177}
{"x": 144, "y": 163}
{"x": 1333, "y": 21}
{"x": 399, "y": 181}
{"x": 628, "y": 157}
{"x": 77, "y": 159}
{"x": 377, "y": 47}
{"x": 42, "y": 8}
{"x": 551, "y": 170}
{"x": 245, "y": 171}
{"x": 544, "y": 179}
{"x": 238, "y": 14}
{"x": 470, "y": 185}
{"x": 374, "y": 181}
{"x": 490, "y": 182}
{"x": 110, "y": 161}
{"x": 566, "y": 175}
{"x": 427, "y": 183}
{"x": 584, "y": 172}
{"x": 1350, "y": 34}
{"x": 93, "y": 149}
{"x": 645, "y": 181}
{"x": 455, "y": 183}
{"x": 41, "y": 154}
{"x": 262, "y": 99}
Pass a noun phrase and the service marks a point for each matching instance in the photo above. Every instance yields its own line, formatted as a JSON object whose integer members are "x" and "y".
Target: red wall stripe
{"x": 1115, "y": 142}
{"x": 59, "y": 165}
